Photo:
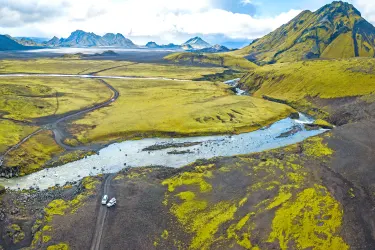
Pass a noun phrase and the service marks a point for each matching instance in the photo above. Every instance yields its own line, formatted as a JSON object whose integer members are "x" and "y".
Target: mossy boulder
{"x": 2, "y": 189}
{"x": 323, "y": 124}
{"x": 15, "y": 233}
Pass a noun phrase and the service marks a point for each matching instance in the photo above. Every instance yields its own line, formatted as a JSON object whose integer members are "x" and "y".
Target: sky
{"x": 162, "y": 21}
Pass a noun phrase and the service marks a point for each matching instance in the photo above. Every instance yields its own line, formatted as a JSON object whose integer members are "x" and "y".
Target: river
{"x": 172, "y": 152}
{"x": 132, "y": 154}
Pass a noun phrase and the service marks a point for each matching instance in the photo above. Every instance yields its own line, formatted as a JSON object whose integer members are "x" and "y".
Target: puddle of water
{"x": 130, "y": 153}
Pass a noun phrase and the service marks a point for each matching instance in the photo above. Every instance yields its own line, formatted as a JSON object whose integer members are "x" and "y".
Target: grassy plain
{"x": 56, "y": 66}
{"x": 148, "y": 108}
{"x": 220, "y": 59}
{"x": 12, "y": 133}
{"x": 162, "y": 70}
{"x": 27, "y": 98}
{"x": 34, "y": 153}
{"x": 109, "y": 68}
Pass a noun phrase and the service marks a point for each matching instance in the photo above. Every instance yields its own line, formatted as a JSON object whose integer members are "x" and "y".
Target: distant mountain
{"x": 7, "y": 43}
{"x": 27, "y": 41}
{"x": 38, "y": 40}
{"x": 117, "y": 40}
{"x": 197, "y": 43}
{"x": 80, "y": 38}
{"x": 153, "y": 45}
{"x": 336, "y": 30}
{"x": 214, "y": 49}
{"x": 54, "y": 42}
{"x": 187, "y": 47}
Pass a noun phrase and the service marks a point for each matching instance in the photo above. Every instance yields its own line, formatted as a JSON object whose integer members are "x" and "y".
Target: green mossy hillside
{"x": 302, "y": 83}
{"x": 336, "y": 30}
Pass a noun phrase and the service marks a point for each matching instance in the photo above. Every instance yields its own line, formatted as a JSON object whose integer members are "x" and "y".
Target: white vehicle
{"x": 105, "y": 199}
{"x": 112, "y": 202}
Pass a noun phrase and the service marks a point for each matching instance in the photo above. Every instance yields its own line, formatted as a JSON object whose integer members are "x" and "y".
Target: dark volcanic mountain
{"x": 336, "y": 30}
{"x": 7, "y": 43}
{"x": 80, "y": 38}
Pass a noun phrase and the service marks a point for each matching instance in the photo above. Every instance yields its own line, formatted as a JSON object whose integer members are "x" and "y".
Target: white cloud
{"x": 367, "y": 8}
{"x": 162, "y": 20}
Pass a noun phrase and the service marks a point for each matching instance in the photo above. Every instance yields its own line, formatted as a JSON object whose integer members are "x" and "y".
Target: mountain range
{"x": 336, "y": 30}
{"x": 195, "y": 44}
{"x": 80, "y": 38}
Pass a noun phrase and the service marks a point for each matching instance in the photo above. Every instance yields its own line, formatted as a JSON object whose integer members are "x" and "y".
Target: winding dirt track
{"x": 58, "y": 132}
{"x": 102, "y": 214}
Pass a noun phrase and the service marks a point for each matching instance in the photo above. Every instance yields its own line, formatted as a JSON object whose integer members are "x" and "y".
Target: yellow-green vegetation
{"x": 70, "y": 156}
{"x": 315, "y": 147}
{"x": 12, "y": 133}
{"x": 32, "y": 97}
{"x": 222, "y": 60}
{"x": 32, "y": 155}
{"x": 57, "y": 66}
{"x": 90, "y": 183}
{"x": 61, "y": 207}
{"x": 108, "y": 68}
{"x": 322, "y": 123}
{"x": 296, "y": 82}
{"x": 318, "y": 212}
{"x": 276, "y": 202}
{"x": 336, "y": 30}
{"x": 61, "y": 246}
{"x": 15, "y": 232}
{"x": 160, "y": 70}
{"x": 149, "y": 108}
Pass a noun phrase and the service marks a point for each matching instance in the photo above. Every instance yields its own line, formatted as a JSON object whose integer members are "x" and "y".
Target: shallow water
{"x": 130, "y": 153}
{"x": 92, "y": 76}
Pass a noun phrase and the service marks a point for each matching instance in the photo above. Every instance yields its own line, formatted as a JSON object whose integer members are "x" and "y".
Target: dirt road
{"x": 102, "y": 214}
{"x": 59, "y": 134}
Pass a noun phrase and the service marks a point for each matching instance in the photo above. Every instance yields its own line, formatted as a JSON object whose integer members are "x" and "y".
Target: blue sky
{"x": 162, "y": 21}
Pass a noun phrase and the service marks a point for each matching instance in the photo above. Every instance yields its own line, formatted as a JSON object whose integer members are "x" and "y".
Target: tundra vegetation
{"x": 149, "y": 108}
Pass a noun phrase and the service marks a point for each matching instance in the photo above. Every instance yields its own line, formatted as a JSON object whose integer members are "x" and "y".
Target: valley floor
{"x": 318, "y": 194}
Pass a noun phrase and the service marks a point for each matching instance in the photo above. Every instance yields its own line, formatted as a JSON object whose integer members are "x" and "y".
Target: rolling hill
{"x": 7, "y": 43}
{"x": 336, "y": 30}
